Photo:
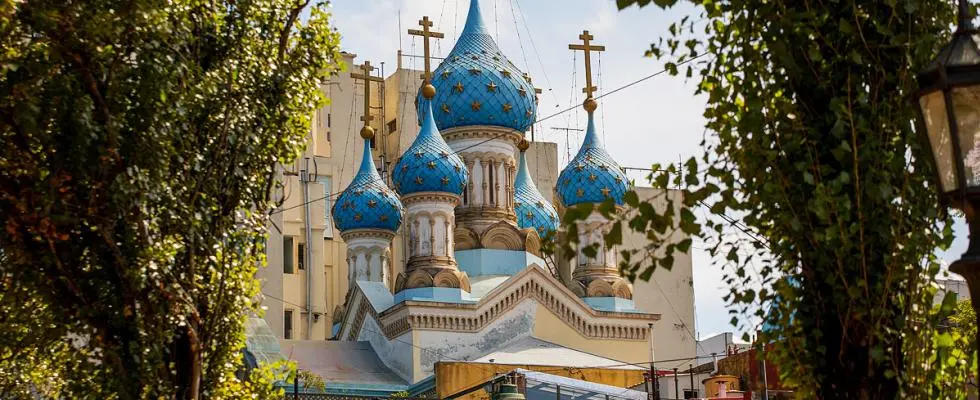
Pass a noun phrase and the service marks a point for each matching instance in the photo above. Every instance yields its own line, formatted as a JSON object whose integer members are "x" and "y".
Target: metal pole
{"x": 653, "y": 369}
{"x": 765, "y": 383}
{"x": 305, "y": 177}
{"x": 677, "y": 388}
{"x": 691, "y": 371}
{"x": 296, "y": 386}
{"x": 558, "y": 392}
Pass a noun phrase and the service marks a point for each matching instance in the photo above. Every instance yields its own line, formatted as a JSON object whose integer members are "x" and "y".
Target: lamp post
{"x": 949, "y": 103}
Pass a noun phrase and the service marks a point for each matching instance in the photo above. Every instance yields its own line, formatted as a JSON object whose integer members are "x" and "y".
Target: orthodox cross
{"x": 425, "y": 33}
{"x": 588, "y": 49}
{"x": 367, "y": 78}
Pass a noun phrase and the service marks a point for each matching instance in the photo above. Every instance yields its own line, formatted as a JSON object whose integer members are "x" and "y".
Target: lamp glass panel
{"x": 937, "y": 127}
{"x": 966, "y": 107}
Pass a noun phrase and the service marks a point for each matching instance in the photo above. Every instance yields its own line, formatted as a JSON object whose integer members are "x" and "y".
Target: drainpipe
{"x": 305, "y": 178}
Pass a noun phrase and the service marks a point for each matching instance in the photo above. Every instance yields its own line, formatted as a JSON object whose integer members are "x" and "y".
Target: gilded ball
{"x": 367, "y": 132}
{"x": 523, "y": 145}
{"x": 428, "y": 91}
{"x": 590, "y": 104}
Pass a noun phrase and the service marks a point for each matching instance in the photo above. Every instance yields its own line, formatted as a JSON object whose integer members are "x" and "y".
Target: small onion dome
{"x": 367, "y": 203}
{"x": 476, "y": 85}
{"x": 429, "y": 165}
{"x": 533, "y": 211}
{"x": 592, "y": 176}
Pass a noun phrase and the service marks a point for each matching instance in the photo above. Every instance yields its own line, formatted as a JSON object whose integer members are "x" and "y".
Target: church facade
{"x": 441, "y": 250}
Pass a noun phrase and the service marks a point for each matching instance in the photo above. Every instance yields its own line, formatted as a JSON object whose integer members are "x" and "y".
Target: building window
{"x": 301, "y": 256}
{"x": 392, "y": 125}
{"x": 328, "y": 120}
{"x": 327, "y": 207}
{"x": 287, "y": 324}
{"x": 287, "y": 254}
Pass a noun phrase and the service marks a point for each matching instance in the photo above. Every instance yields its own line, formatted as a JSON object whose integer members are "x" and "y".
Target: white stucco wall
{"x": 456, "y": 346}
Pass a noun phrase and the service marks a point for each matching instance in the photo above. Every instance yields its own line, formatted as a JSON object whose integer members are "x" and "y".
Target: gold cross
{"x": 367, "y": 78}
{"x": 425, "y": 33}
{"x": 588, "y": 49}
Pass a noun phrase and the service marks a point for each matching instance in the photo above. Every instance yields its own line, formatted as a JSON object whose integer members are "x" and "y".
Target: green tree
{"x": 822, "y": 195}
{"x": 138, "y": 149}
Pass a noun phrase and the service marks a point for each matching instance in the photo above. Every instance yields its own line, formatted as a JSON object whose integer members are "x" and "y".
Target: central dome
{"x": 477, "y": 85}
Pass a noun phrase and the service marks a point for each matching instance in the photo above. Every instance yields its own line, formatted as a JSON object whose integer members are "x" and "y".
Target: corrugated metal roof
{"x": 541, "y": 385}
{"x": 343, "y": 362}
{"x": 534, "y": 351}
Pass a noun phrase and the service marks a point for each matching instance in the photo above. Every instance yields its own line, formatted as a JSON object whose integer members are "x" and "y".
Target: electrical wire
{"x": 495, "y": 137}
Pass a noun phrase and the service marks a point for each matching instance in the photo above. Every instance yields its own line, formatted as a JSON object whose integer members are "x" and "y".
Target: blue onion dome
{"x": 592, "y": 176}
{"x": 429, "y": 165}
{"x": 477, "y": 85}
{"x": 367, "y": 203}
{"x": 533, "y": 211}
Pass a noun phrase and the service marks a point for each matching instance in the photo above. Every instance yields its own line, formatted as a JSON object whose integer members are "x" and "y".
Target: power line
{"x": 497, "y": 136}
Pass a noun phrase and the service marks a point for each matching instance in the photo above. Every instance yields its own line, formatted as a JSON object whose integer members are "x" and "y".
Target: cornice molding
{"x": 532, "y": 283}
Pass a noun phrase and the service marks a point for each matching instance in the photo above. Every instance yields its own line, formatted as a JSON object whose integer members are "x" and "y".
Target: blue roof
{"x": 533, "y": 211}
{"x": 367, "y": 203}
{"x": 429, "y": 165}
{"x": 592, "y": 176}
{"x": 477, "y": 85}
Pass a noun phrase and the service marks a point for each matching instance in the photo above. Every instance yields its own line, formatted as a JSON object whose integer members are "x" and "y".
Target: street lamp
{"x": 949, "y": 101}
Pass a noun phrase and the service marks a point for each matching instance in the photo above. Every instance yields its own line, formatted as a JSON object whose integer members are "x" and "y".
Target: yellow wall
{"x": 453, "y": 377}
{"x": 549, "y": 327}
{"x": 712, "y": 384}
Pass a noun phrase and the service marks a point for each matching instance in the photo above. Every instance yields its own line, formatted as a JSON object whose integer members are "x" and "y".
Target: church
{"x": 444, "y": 282}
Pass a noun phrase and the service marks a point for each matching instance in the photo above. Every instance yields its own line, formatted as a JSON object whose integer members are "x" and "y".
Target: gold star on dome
{"x": 522, "y": 92}
{"x": 455, "y": 58}
{"x": 618, "y": 179}
{"x": 457, "y": 168}
{"x": 527, "y": 77}
{"x": 527, "y": 113}
{"x": 603, "y": 167}
{"x": 592, "y": 177}
{"x": 418, "y": 180}
{"x": 445, "y": 74}
{"x": 491, "y": 87}
{"x": 483, "y": 51}
{"x": 475, "y": 57}
{"x": 539, "y": 204}
{"x": 372, "y": 203}
{"x": 476, "y": 105}
{"x": 431, "y": 165}
{"x": 458, "y": 87}
{"x": 358, "y": 192}
{"x": 418, "y": 154}
{"x": 445, "y": 108}
{"x": 495, "y": 58}
{"x": 505, "y": 73}
{"x": 443, "y": 154}
{"x": 529, "y": 214}
{"x": 580, "y": 192}
{"x": 475, "y": 71}
{"x": 383, "y": 217}
{"x": 357, "y": 217}
{"x": 541, "y": 229}
{"x": 445, "y": 180}
{"x": 588, "y": 157}
{"x": 404, "y": 167}
{"x": 507, "y": 107}
{"x": 579, "y": 167}
{"x": 605, "y": 191}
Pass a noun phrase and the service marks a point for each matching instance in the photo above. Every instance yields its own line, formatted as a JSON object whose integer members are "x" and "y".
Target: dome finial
{"x": 428, "y": 91}
{"x": 589, "y": 104}
{"x": 367, "y": 132}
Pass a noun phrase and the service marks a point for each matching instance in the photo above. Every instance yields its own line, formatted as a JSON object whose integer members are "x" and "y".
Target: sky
{"x": 656, "y": 121}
